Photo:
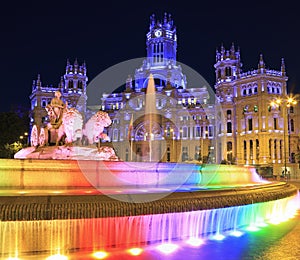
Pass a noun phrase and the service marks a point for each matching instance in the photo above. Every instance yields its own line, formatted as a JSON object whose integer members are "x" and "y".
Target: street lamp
{"x": 287, "y": 103}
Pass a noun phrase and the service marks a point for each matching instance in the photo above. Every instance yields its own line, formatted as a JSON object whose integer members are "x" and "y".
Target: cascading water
{"x": 101, "y": 233}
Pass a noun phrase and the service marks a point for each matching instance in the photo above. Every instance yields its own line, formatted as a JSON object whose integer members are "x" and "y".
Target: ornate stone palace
{"x": 247, "y": 121}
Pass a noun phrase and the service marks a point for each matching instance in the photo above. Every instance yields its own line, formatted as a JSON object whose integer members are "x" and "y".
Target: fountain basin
{"x": 171, "y": 201}
{"x": 47, "y": 174}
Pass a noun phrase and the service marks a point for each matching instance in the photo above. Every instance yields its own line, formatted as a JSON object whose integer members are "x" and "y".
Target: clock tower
{"x": 161, "y": 41}
{"x": 161, "y": 46}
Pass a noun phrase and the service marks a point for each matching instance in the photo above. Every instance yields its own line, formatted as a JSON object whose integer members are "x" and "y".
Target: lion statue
{"x": 71, "y": 126}
{"x": 94, "y": 127}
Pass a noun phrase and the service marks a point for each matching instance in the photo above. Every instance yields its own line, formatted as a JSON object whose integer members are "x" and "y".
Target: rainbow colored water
{"x": 60, "y": 237}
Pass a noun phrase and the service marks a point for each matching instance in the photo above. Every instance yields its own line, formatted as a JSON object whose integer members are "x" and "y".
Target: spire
{"x": 222, "y": 49}
{"x": 75, "y": 66}
{"x": 282, "y": 67}
{"x": 38, "y": 81}
{"x": 165, "y": 19}
{"x": 152, "y": 21}
{"x": 61, "y": 83}
{"x": 128, "y": 84}
{"x": 68, "y": 66}
{"x": 222, "y": 52}
{"x": 84, "y": 67}
{"x": 232, "y": 51}
{"x": 261, "y": 64}
{"x": 217, "y": 55}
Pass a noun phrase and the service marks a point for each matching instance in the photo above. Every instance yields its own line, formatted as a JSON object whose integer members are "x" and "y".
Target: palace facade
{"x": 247, "y": 120}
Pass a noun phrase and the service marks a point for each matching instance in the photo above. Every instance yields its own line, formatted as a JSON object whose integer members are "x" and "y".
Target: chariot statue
{"x": 66, "y": 126}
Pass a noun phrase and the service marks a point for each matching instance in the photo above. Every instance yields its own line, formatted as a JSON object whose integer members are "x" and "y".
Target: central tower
{"x": 161, "y": 45}
{"x": 161, "y": 41}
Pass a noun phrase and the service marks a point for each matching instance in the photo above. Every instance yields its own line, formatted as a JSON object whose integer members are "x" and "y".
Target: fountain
{"x": 150, "y": 118}
{"x": 78, "y": 204}
{"x": 58, "y": 210}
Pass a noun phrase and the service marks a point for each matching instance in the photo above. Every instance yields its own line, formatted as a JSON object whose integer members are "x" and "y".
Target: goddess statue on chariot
{"x": 66, "y": 125}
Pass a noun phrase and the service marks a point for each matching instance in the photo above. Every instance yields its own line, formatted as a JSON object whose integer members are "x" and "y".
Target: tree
{"x": 13, "y": 124}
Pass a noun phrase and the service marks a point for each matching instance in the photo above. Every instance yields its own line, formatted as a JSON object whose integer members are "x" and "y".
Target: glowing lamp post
{"x": 287, "y": 103}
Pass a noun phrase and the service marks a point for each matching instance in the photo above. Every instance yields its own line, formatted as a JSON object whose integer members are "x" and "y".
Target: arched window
{"x": 250, "y": 125}
{"x": 229, "y": 127}
{"x": 126, "y": 155}
{"x": 292, "y": 125}
{"x": 71, "y": 84}
{"x": 184, "y": 132}
{"x": 227, "y": 71}
{"x": 79, "y": 84}
{"x": 281, "y": 149}
{"x": 168, "y": 154}
{"x": 251, "y": 149}
{"x": 245, "y": 151}
{"x": 229, "y": 114}
{"x": 229, "y": 151}
{"x": 275, "y": 149}
{"x": 257, "y": 149}
{"x": 115, "y": 134}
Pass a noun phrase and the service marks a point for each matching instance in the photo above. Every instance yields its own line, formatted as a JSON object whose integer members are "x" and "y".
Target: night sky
{"x": 38, "y": 37}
